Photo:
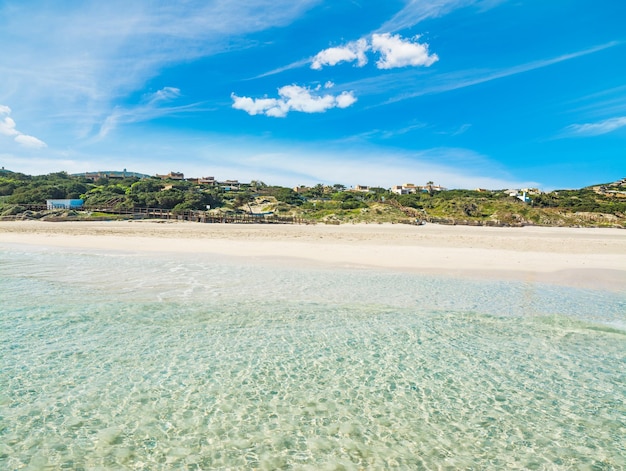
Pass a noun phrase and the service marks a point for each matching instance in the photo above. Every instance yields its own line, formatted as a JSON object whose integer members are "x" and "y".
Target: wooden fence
{"x": 193, "y": 216}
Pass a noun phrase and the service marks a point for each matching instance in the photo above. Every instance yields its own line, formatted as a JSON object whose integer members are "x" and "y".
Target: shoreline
{"x": 593, "y": 258}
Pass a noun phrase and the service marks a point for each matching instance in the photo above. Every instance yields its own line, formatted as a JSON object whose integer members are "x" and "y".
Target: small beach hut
{"x": 64, "y": 204}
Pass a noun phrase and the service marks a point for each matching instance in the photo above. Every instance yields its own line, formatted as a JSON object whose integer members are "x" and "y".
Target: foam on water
{"x": 112, "y": 361}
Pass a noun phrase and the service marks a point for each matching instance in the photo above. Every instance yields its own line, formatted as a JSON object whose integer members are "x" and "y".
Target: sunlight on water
{"x": 132, "y": 362}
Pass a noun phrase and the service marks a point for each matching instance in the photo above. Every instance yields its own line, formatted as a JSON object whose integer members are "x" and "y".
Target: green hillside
{"x": 602, "y": 205}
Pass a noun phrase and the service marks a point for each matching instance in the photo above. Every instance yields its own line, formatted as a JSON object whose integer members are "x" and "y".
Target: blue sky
{"x": 466, "y": 93}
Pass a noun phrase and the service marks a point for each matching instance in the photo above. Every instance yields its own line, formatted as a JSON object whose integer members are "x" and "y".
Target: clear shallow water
{"x": 111, "y": 361}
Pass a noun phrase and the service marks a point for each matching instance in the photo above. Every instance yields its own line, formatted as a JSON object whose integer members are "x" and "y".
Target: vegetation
{"x": 602, "y": 205}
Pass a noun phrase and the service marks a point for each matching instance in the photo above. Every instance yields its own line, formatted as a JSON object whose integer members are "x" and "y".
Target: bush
{"x": 285, "y": 195}
{"x": 353, "y": 204}
{"x": 13, "y": 210}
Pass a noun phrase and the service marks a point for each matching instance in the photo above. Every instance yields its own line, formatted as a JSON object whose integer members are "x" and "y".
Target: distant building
{"x": 521, "y": 195}
{"x": 617, "y": 189}
{"x": 172, "y": 176}
{"x": 110, "y": 174}
{"x": 64, "y": 204}
{"x": 410, "y": 188}
{"x": 203, "y": 181}
{"x": 361, "y": 188}
{"x": 405, "y": 189}
{"x": 230, "y": 185}
{"x": 431, "y": 188}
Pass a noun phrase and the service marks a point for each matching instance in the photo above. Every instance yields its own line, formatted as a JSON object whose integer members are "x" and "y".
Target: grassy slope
{"x": 601, "y": 205}
{"x": 458, "y": 210}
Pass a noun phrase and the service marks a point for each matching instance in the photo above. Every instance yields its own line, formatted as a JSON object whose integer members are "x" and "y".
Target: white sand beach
{"x": 586, "y": 258}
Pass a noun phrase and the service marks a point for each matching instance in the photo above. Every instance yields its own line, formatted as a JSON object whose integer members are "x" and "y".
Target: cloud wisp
{"x": 463, "y": 79}
{"x": 8, "y": 128}
{"x": 596, "y": 129}
{"x": 394, "y": 51}
{"x": 293, "y": 98}
{"x": 152, "y": 107}
{"x": 86, "y": 45}
{"x": 417, "y": 11}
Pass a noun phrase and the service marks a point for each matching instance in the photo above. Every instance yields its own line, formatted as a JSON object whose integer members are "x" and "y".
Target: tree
{"x": 377, "y": 194}
{"x": 256, "y": 185}
{"x": 349, "y": 200}
{"x": 241, "y": 199}
{"x": 169, "y": 198}
{"x": 147, "y": 185}
{"x": 315, "y": 192}
{"x": 285, "y": 195}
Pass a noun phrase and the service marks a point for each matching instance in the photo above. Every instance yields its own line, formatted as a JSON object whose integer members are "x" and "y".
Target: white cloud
{"x": 597, "y": 129}
{"x": 7, "y": 128}
{"x": 7, "y": 125}
{"x": 353, "y": 51}
{"x": 397, "y": 52}
{"x": 293, "y": 98}
{"x": 394, "y": 51}
{"x": 254, "y": 106}
{"x": 300, "y": 99}
{"x": 30, "y": 141}
{"x": 345, "y": 99}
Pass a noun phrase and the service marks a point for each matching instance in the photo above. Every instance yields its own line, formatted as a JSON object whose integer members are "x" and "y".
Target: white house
{"x": 64, "y": 204}
{"x": 405, "y": 189}
{"x": 410, "y": 188}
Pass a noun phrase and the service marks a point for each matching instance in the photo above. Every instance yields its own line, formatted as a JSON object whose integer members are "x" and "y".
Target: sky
{"x": 465, "y": 93}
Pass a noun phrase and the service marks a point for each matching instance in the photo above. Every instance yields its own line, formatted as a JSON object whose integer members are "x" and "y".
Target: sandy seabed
{"x": 585, "y": 258}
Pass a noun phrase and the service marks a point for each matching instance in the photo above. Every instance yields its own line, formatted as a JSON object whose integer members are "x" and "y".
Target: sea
{"x": 141, "y": 361}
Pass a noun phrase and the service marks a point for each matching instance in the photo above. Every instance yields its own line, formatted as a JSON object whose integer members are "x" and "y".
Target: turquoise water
{"x": 126, "y": 361}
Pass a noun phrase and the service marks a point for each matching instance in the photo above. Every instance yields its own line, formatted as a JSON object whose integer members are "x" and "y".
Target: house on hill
{"x": 203, "y": 181}
{"x": 230, "y": 185}
{"x": 405, "y": 189}
{"x": 410, "y": 188}
{"x": 172, "y": 176}
{"x": 111, "y": 175}
{"x": 521, "y": 195}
